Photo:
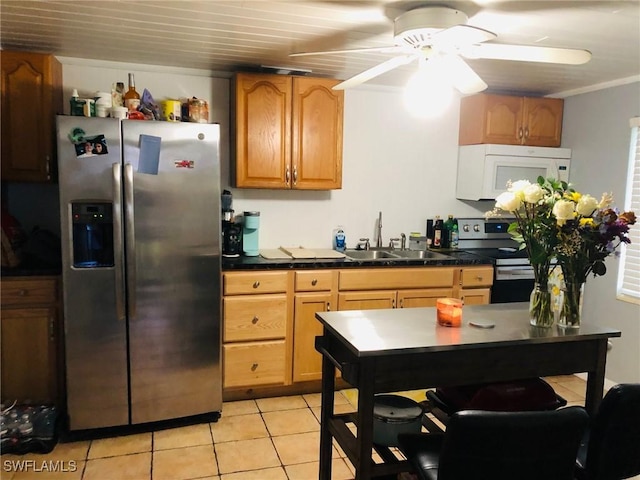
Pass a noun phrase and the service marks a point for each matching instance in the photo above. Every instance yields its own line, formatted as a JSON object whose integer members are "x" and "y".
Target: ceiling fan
{"x": 439, "y": 36}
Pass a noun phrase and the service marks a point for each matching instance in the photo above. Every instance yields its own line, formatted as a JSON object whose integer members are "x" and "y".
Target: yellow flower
{"x": 587, "y": 222}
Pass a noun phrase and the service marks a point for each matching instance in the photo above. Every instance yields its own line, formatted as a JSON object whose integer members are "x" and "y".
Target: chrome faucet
{"x": 379, "y": 241}
{"x": 403, "y": 241}
{"x": 366, "y": 245}
{"x": 392, "y": 243}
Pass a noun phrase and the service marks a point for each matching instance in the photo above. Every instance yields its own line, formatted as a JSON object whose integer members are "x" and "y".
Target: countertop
{"x": 457, "y": 257}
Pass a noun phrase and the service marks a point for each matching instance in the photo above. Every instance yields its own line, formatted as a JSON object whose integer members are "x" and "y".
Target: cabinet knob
{"x": 526, "y": 132}
{"x": 401, "y": 303}
{"x": 254, "y": 320}
{"x": 23, "y": 292}
{"x": 328, "y": 306}
{"x": 314, "y": 282}
{"x": 254, "y": 367}
{"x": 295, "y": 175}
{"x": 479, "y": 277}
{"x": 256, "y": 284}
{"x": 287, "y": 176}
{"x": 520, "y": 133}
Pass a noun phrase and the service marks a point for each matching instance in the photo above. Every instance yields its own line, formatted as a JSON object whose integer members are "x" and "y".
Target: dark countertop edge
{"x": 259, "y": 263}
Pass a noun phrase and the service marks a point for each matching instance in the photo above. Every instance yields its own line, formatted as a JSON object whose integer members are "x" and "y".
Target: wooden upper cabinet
{"x": 287, "y": 132}
{"x": 31, "y": 97}
{"x": 510, "y": 120}
{"x": 316, "y": 134}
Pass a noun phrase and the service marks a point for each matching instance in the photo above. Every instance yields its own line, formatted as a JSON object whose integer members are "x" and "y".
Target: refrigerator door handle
{"x": 130, "y": 239}
{"x": 117, "y": 239}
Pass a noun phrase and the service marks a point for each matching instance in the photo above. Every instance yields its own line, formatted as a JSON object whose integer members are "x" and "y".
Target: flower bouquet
{"x": 554, "y": 220}
{"x": 535, "y": 229}
{"x": 588, "y": 231}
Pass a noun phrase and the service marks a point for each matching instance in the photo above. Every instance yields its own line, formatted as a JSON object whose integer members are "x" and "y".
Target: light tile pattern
{"x": 264, "y": 439}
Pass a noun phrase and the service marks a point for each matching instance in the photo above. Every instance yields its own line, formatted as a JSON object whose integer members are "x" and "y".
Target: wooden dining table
{"x": 392, "y": 350}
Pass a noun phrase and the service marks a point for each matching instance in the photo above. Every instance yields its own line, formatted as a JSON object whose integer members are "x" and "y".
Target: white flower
{"x": 508, "y": 201}
{"x": 518, "y": 187}
{"x": 586, "y": 205}
{"x": 563, "y": 211}
{"x": 605, "y": 201}
{"x": 533, "y": 193}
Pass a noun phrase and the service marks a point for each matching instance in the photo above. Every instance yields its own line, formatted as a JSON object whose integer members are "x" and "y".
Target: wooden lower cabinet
{"x": 475, "y": 284}
{"x": 366, "y": 300}
{"x": 254, "y": 363}
{"x": 269, "y": 316}
{"x": 307, "y": 362}
{"x": 30, "y": 346}
{"x": 423, "y": 297}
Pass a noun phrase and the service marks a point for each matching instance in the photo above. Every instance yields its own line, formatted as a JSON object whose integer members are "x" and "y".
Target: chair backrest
{"x": 613, "y": 450}
{"x": 512, "y": 445}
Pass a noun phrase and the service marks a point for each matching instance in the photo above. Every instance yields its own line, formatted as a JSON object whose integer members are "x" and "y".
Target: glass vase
{"x": 572, "y": 305}
{"x": 540, "y": 307}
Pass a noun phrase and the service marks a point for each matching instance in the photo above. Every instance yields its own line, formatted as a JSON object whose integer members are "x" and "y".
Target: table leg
{"x": 595, "y": 381}
{"x": 326, "y": 413}
{"x": 366, "y": 376}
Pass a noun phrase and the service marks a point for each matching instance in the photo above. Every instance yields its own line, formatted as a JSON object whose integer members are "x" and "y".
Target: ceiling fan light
{"x": 427, "y": 94}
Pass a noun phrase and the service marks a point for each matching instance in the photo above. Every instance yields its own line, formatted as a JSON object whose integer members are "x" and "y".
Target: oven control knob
{"x": 476, "y": 228}
{"x": 465, "y": 228}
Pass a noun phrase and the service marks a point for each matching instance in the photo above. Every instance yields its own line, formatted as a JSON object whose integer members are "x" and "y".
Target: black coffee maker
{"x": 231, "y": 231}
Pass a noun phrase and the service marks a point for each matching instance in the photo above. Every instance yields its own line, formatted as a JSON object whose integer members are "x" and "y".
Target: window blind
{"x": 629, "y": 273}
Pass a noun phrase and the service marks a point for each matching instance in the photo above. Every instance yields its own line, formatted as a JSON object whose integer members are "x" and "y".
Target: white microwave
{"x": 484, "y": 170}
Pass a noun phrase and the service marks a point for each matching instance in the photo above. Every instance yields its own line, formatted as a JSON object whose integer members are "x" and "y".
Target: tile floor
{"x": 265, "y": 439}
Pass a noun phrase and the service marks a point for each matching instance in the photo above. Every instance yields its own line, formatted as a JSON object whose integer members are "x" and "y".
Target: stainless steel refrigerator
{"x": 140, "y": 227}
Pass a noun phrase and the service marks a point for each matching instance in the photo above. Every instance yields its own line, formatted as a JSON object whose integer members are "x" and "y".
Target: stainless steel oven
{"x": 513, "y": 274}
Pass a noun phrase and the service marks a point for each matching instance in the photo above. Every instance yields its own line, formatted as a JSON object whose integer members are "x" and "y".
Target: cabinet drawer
{"x": 28, "y": 292}
{"x": 387, "y": 278}
{"x": 258, "y": 317}
{"x": 254, "y": 363}
{"x": 313, "y": 281}
{"x": 477, "y": 277}
{"x": 255, "y": 282}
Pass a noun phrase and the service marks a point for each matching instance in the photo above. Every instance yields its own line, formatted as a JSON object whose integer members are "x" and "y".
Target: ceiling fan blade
{"x": 393, "y": 49}
{"x": 462, "y": 35}
{"x": 375, "y": 71}
{"x": 526, "y": 53}
{"x": 462, "y": 76}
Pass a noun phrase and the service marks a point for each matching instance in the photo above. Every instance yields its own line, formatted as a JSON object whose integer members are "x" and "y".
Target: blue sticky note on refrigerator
{"x": 149, "y": 154}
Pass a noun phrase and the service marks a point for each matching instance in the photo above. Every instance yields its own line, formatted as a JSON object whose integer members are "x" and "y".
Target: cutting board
{"x": 301, "y": 252}
{"x": 274, "y": 254}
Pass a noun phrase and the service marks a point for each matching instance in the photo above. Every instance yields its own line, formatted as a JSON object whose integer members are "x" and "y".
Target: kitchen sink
{"x": 419, "y": 254}
{"x": 388, "y": 254}
{"x": 370, "y": 254}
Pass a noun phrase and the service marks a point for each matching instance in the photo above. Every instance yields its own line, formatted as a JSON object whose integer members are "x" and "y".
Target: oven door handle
{"x": 514, "y": 273}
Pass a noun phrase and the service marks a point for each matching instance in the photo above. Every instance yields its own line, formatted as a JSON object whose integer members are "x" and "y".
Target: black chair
{"x": 611, "y": 447}
{"x": 499, "y": 446}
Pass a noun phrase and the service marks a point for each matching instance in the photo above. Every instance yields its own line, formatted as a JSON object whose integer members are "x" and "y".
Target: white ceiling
{"x": 224, "y": 36}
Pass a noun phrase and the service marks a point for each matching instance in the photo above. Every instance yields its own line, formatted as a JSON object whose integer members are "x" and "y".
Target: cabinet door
{"x": 422, "y": 298}
{"x": 262, "y": 131}
{"x": 31, "y": 97}
{"x": 486, "y": 118}
{"x": 29, "y": 355}
{"x": 316, "y": 134}
{"x": 503, "y": 119}
{"x": 475, "y": 296}
{"x": 367, "y": 300}
{"x": 307, "y": 362}
{"x": 542, "y": 120}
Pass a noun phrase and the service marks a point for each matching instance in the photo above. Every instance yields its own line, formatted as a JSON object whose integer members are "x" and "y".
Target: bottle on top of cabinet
{"x": 454, "y": 234}
{"x": 131, "y": 96}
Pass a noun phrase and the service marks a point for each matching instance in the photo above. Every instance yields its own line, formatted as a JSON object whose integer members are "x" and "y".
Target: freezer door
{"x": 93, "y": 298}
{"x": 172, "y": 200}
